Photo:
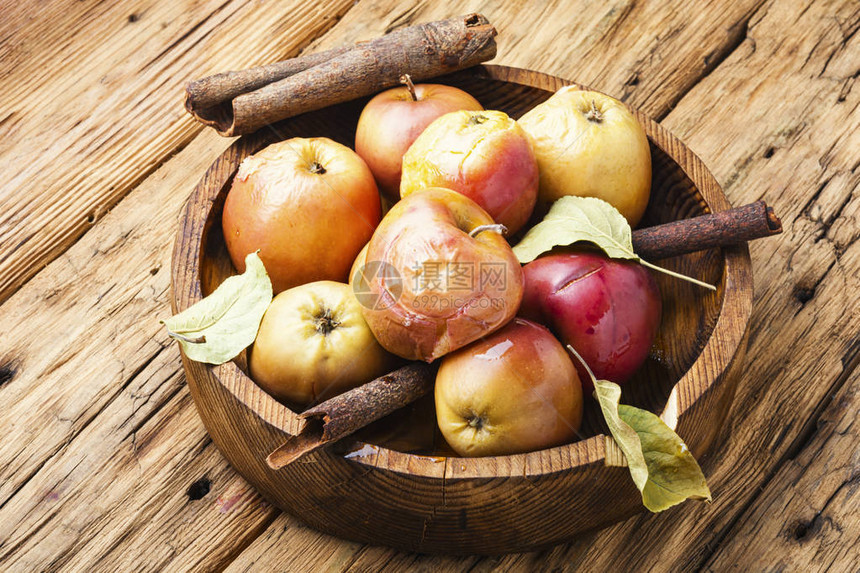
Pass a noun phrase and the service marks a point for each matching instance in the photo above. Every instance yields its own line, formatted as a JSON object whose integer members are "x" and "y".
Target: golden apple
{"x": 589, "y": 144}
{"x": 313, "y": 344}
{"x": 514, "y": 391}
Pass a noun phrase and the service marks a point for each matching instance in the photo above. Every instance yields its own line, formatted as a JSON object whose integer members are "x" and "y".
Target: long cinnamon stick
{"x": 210, "y": 98}
{"x": 424, "y": 51}
{"x": 347, "y": 413}
{"x": 725, "y": 228}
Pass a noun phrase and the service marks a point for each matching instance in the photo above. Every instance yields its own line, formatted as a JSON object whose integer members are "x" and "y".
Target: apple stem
{"x": 317, "y": 168}
{"x": 677, "y": 275}
{"x": 188, "y": 339}
{"x": 405, "y": 79}
{"x": 495, "y": 227}
{"x": 594, "y": 113}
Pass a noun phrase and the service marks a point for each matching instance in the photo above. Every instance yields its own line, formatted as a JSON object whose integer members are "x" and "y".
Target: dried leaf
{"x": 572, "y": 219}
{"x": 220, "y": 326}
{"x": 673, "y": 473}
{"x": 660, "y": 463}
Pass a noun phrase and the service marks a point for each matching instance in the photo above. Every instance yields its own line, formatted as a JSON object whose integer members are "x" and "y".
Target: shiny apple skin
{"x": 514, "y": 391}
{"x": 392, "y": 120}
{"x": 308, "y": 226}
{"x": 609, "y": 159}
{"x": 608, "y": 310}
{"x": 485, "y": 155}
{"x": 298, "y": 361}
{"x": 427, "y": 306}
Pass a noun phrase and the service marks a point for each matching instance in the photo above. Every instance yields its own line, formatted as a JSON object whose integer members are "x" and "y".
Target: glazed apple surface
{"x": 433, "y": 286}
{"x": 608, "y": 310}
{"x": 485, "y": 155}
{"x": 308, "y": 205}
{"x": 313, "y": 344}
{"x": 589, "y": 144}
{"x": 393, "y": 119}
{"x": 511, "y": 392}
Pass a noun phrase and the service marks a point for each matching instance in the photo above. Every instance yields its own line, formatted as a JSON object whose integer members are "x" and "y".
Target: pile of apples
{"x": 435, "y": 278}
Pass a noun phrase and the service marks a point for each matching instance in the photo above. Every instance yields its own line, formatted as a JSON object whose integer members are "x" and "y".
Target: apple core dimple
{"x": 325, "y": 322}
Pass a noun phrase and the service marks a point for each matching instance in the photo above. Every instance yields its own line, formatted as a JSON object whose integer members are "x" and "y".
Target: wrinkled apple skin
{"x": 608, "y": 310}
{"x": 511, "y": 392}
{"x": 428, "y": 307}
{"x": 485, "y": 155}
{"x": 313, "y": 344}
{"x": 307, "y": 225}
{"x": 608, "y": 158}
{"x": 392, "y": 120}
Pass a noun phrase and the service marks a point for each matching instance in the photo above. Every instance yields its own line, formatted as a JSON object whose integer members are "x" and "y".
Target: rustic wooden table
{"x": 104, "y": 464}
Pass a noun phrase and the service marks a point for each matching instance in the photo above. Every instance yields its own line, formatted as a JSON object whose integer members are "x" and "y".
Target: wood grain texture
{"x": 776, "y": 118}
{"x": 102, "y": 441}
{"x": 71, "y": 99}
{"x": 815, "y": 497}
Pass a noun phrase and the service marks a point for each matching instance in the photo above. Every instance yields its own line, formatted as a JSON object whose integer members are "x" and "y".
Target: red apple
{"x": 485, "y": 155}
{"x": 393, "y": 119}
{"x": 308, "y": 205}
{"x": 429, "y": 287}
{"x": 514, "y": 391}
{"x": 608, "y": 310}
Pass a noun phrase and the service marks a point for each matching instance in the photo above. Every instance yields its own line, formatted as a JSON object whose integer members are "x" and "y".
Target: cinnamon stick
{"x": 347, "y": 413}
{"x": 731, "y": 227}
{"x": 210, "y": 98}
{"x": 424, "y": 51}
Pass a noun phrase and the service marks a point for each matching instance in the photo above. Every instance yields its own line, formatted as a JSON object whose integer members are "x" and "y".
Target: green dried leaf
{"x": 673, "y": 473}
{"x": 220, "y": 326}
{"x": 660, "y": 463}
{"x": 572, "y": 219}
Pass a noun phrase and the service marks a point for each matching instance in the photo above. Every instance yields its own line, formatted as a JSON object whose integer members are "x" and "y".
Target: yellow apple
{"x": 313, "y": 344}
{"x": 589, "y": 144}
{"x": 514, "y": 391}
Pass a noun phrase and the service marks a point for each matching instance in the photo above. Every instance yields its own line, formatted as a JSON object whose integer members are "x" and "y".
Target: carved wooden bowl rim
{"x": 715, "y": 357}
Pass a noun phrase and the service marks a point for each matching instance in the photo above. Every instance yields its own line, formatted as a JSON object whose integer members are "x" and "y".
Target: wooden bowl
{"x": 376, "y": 494}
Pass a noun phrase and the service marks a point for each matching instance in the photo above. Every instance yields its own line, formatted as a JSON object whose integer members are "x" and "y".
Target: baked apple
{"x": 485, "y": 156}
{"x": 313, "y": 344}
{"x": 393, "y": 119}
{"x": 607, "y": 309}
{"x": 308, "y": 205}
{"x": 444, "y": 276}
{"x": 590, "y": 145}
{"x": 511, "y": 392}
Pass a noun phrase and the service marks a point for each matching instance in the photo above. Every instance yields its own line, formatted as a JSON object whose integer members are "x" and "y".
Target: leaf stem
{"x": 188, "y": 339}
{"x": 584, "y": 363}
{"x": 677, "y": 275}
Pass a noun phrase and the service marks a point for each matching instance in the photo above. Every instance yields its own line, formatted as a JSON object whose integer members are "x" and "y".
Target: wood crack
{"x": 850, "y": 361}
{"x": 736, "y": 36}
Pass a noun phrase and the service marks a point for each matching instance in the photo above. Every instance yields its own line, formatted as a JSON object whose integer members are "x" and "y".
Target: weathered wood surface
{"x": 103, "y": 452}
